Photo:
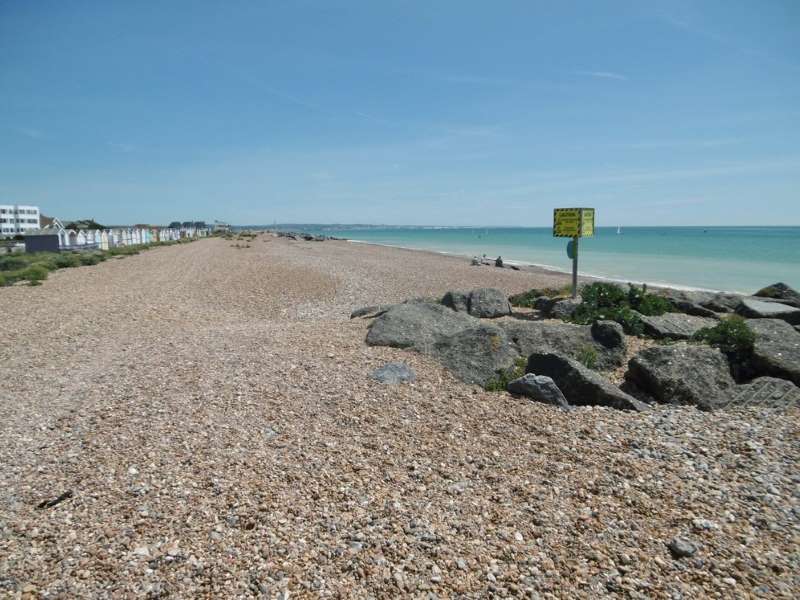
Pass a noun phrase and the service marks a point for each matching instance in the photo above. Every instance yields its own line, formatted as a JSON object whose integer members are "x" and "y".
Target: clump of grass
{"x": 35, "y": 272}
{"x": 3, "y": 280}
{"x": 67, "y": 261}
{"x": 587, "y": 356}
{"x": 499, "y": 383}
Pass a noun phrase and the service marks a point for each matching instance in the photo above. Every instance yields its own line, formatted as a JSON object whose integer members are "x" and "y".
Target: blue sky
{"x": 435, "y": 112}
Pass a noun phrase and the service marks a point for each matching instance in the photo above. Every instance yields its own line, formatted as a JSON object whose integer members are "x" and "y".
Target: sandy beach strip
{"x": 204, "y": 417}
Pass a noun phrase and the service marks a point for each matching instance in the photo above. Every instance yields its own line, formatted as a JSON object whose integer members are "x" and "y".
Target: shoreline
{"x": 552, "y": 270}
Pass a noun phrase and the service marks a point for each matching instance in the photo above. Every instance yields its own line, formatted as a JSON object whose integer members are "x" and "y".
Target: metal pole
{"x": 575, "y": 267}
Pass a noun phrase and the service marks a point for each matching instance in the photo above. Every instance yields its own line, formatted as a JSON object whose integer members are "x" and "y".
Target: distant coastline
{"x": 738, "y": 259}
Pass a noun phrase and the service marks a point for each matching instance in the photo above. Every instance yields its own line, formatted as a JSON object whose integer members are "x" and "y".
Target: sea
{"x": 733, "y": 259}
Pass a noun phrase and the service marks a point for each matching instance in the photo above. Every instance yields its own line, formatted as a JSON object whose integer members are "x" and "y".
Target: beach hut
{"x": 80, "y": 239}
{"x": 103, "y": 240}
{"x": 72, "y": 237}
{"x": 42, "y": 240}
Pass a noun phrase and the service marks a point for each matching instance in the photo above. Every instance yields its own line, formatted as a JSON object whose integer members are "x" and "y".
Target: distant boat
{"x": 619, "y": 229}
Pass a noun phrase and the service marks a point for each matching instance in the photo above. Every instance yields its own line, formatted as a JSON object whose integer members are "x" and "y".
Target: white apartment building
{"x": 18, "y": 218}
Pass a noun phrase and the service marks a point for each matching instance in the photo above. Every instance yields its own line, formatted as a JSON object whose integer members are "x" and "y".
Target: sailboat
{"x": 619, "y": 229}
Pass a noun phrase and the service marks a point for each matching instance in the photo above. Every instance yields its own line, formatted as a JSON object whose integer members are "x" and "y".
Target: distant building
{"x": 18, "y": 218}
{"x": 220, "y": 227}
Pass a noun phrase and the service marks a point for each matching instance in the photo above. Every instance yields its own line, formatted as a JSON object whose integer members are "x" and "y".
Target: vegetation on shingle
{"x": 608, "y": 301}
{"x": 34, "y": 267}
{"x": 499, "y": 383}
{"x": 731, "y": 335}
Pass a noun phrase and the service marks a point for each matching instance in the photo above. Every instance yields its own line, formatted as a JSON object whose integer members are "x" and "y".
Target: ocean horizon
{"x": 721, "y": 258}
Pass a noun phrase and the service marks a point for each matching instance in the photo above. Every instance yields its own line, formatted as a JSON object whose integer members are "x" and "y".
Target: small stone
{"x": 681, "y": 547}
{"x": 394, "y": 373}
{"x": 142, "y": 551}
{"x": 704, "y": 524}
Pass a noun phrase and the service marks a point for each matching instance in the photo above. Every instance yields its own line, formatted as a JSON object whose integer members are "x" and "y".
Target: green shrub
{"x": 89, "y": 259}
{"x": 647, "y": 304}
{"x": 731, "y": 335}
{"x": 603, "y": 295}
{"x": 607, "y": 301}
{"x": 652, "y": 305}
{"x": 66, "y": 261}
{"x": 735, "y": 339}
{"x": 14, "y": 262}
{"x": 35, "y": 272}
{"x": 630, "y": 321}
{"x": 499, "y": 383}
{"x": 3, "y": 280}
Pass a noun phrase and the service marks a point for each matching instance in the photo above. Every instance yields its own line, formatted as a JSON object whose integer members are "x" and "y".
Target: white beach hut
{"x": 103, "y": 240}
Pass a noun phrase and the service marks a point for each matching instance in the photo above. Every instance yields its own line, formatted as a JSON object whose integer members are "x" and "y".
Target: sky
{"x": 402, "y": 112}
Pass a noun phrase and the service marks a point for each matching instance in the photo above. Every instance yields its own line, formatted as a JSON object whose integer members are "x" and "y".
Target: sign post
{"x": 574, "y": 223}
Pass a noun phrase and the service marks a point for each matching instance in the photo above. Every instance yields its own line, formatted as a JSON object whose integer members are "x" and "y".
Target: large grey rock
{"x": 458, "y": 301}
{"x": 610, "y": 334}
{"x": 759, "y": 309}
{"x": 393, "y": 373}
{"x": 682, "y": 374}
{"x": 695, "y": 302}
{"x": 573, "y": 341}
{"x": 416, "y": 325}
{"x": 477, "y": 354}
{"x": 488, "y": 303}
{"x": 540, "y": 388}
{"x": 675, "y": 326}
{"x": 564, "y": 308}
{"x": 696, "y": 310}
{"x": 766, "y": 392}
{"x": 544, "y": 304}
{"x": 776, "y": 350}
{"x": 781, "y": 292}
{"x": 580, "y": 386}
{"x": 368, "y": 312}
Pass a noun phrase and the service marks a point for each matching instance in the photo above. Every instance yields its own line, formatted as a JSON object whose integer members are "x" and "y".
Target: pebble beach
{"x": 198, "y": 421}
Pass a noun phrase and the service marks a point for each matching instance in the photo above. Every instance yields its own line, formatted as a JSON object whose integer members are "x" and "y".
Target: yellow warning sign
{"x": 587, "y": 222}
{"x": 573, "y": 222}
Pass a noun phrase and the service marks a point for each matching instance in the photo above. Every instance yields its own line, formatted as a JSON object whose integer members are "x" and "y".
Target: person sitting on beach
{"x": 499, "y": 262}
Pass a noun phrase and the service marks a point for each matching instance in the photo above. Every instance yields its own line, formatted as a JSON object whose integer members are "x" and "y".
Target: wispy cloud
{"x": 478, "y": 80}
{"x": 29, "y": 132}
{"x": 121, "y": 147}
{"x": 604, "y": 75}
{"x": 657, "y": 144}
{"x": 694, "y": 27}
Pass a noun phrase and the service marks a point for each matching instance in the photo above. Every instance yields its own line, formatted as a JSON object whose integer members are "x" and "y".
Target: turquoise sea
{"x": 741, "y": 259}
